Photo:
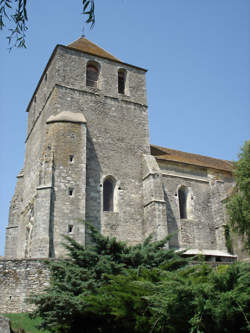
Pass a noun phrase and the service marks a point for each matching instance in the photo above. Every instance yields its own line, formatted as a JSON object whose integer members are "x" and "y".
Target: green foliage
{"x": 238, "y": 205}
{"x": 15, "y": 12}
{"x": 89, "y": 10}
{"x": 191, "y": 299}
{"x": 229, "y": 243}
{"x": 65, "y": 305}
{"x": 23, "y": 321}
{"x": 111, "y": 287}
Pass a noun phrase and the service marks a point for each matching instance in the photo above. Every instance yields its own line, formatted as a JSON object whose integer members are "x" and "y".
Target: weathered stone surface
{"x": 4, "y": 325}
{"x": 18, "y": 280}
{"x": 106, "y": 134}
{"x": 67, "y": 116}
{"x": 78, "y": 136}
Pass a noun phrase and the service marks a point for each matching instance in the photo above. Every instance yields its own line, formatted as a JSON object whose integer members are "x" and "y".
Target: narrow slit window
{"x": 92, "y": 75}
{"x": 70, "y": 228}
{"x": 108, "y": 195}
{"x": 71, "y": 158}
{"x": 71, "y": 190}
{"x": 182, "y": 194}
{"x": 121, "y": 81}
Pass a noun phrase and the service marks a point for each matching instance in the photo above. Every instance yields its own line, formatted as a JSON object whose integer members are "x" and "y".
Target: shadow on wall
{"x": 93, "y": 193}
{"x": 51, "y": 222}
{"x": 172, "y": 225}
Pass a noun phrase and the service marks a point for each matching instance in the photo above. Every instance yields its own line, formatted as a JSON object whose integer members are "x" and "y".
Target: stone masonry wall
{"x": 203, "y": 229}
{"x": 19, "y": 279}
{"x": 26, "y": 194}
{"x": 68, "y": 141}
{"x": 14, "y": 219}
{"x": 155, "y": 220}
{"x": 117, "y": 136}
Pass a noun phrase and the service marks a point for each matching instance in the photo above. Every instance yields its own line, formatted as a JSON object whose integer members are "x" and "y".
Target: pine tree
{"x": 64, "y": 306}
{"x": 195, "y": 299}
{"x": 111, "y": 287}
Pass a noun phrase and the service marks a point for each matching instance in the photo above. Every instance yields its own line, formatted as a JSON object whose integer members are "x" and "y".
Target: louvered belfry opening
{"x": 92, "y": 75}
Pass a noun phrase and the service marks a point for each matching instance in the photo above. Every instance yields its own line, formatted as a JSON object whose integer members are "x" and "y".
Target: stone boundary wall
{"x": 21, "y": 277}
{"x": 18, "y": 279}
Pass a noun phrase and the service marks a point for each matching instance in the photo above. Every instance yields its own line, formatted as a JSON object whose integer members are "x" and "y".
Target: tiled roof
{"x": 84, "y": 45}
{"x": 81, "y": 45}
{"x": 167, "y": 154}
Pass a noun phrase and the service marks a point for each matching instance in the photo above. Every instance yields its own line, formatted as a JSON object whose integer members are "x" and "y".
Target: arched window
{"x": 182, "y": 195}
{"x": 92, "y": 75}
{"x": 108, "y": 194}
{"x": 121, "y": 81}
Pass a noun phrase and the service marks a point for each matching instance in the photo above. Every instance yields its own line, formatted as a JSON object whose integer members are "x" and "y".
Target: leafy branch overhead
{"x": 89, "y": 10}
{"x": 13, "y": 14}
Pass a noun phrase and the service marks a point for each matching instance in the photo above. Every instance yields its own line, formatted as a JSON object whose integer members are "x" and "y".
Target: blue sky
{"x": 197, "y": 54}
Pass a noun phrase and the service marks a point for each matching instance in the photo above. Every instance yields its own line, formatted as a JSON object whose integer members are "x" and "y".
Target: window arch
{"x": 108, "y": 194}
{"x": 182, "y": 195}
{"x": 92, "y": 74}
{"x": 121, "y": 81}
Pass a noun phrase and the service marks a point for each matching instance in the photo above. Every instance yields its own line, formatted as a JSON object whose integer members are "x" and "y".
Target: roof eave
{"x": 196, "y": 164}
{"x": 73, "y": 49}
{"x": 99, "y": 56}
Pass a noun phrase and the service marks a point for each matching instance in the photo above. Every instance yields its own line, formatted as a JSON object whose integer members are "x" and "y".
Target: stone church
{"x": 88, "y": 157}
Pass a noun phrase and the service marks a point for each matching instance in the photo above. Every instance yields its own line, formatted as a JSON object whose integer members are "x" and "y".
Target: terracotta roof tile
{"x": 168, "y": 154}
{"x": 84, "y": 45}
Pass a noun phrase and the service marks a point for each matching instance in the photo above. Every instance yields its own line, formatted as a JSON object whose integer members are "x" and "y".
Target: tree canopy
{"x": 238, "y": 205}
{"x": 15, "y": 12}
{"x": 112, "y": 287}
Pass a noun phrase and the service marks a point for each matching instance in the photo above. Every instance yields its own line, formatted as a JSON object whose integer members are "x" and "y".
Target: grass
{"x": 22, "y": 320}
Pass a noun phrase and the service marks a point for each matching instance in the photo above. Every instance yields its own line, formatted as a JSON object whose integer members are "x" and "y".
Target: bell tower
{"x": 86, "y": 138}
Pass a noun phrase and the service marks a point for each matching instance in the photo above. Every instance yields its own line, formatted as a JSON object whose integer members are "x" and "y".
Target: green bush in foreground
{"x": 111, "y": 287}
{"x": 64, "y": 305}
{"x": 192, "y": 299}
